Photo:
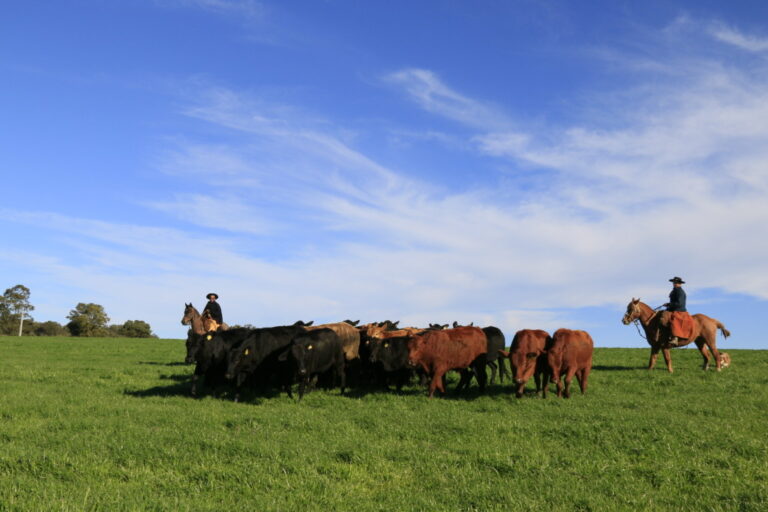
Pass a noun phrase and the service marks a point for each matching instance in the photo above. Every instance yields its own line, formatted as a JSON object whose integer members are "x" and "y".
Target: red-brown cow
{"x": 437, "y": 352}
{"x": 568, "y": 354}
{"x": 527, "y": 357}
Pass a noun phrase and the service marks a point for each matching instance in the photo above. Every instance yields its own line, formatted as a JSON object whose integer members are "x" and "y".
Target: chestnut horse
{"x": 704, "y": 333}
{"x": 201, "y": 324}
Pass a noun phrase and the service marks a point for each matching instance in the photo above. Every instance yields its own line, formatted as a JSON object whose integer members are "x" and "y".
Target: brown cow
{"x": 568, "y": 354}
{"x": 437, "y": 352}
{"x": 349, "y": 336}
{"x": 527, "y": 357}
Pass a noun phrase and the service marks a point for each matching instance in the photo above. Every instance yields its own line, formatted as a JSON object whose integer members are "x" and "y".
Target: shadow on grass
{"x": 155, "y": 363}
{"x": 616, "y": 368}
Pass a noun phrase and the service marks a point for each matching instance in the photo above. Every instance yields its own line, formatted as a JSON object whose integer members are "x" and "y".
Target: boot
{"x": 673, "y": 341}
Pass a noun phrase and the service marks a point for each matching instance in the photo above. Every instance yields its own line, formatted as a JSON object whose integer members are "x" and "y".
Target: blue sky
{"x": 526, "y": 164}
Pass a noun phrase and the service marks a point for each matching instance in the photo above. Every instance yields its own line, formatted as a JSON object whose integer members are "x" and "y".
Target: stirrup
{"x": 673, "y": 341}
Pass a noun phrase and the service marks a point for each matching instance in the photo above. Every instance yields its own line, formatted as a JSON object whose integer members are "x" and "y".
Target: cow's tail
{"x": 723, "y": 330}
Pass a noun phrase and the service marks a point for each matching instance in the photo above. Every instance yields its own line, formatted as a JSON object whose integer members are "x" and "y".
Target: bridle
{"x": 636, "y": 310}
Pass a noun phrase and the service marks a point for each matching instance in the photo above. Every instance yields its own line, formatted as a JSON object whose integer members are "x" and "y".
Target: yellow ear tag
{"x": 247, "y": 352}
{"x": 209, "y": 337}
{"x": 309, "y": 347}
{"x": 386, "y": 345}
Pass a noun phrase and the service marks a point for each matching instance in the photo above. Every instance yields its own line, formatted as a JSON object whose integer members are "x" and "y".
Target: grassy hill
{"x": 106, "y": 424}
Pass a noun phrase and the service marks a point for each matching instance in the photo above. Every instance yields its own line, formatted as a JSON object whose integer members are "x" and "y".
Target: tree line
{"x": 86, "y": 320}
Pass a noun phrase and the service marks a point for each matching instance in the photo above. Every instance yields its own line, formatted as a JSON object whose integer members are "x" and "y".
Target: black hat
{"x": 214, "y": 294}
{"x": 673, "y": 280}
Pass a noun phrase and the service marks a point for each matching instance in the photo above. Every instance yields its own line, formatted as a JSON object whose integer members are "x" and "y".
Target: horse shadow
{"x": 602, "y": 368}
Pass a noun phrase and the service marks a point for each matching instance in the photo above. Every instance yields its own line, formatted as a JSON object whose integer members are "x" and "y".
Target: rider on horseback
{"x": 676, "y": 317}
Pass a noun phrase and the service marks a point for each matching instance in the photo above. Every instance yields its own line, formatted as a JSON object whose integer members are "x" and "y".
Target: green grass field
{"x": 106, "y": 424}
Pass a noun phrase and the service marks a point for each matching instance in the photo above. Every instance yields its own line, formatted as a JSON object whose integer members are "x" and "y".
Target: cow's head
{"x": 301, "y": 352}
{"x": 193, "y": 344}
{"x": 240, "y": 357}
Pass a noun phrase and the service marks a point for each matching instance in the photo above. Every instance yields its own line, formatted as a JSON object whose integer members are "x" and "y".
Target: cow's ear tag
{"x": 209, "y": 337}
{"x": 309, "y": 347}
{"x": 386, "y": 345}
{"x": 247, "y": 352}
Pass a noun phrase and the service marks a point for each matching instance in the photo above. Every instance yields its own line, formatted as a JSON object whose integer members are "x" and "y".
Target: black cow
{"x": 257, "y": 356}
{"x": 210, "y": 351}
{"x": 313, "y": 353}
{"x": 350, "y": 322}
{"x": 496, "y": 342}
{"x": 392, "y": 355}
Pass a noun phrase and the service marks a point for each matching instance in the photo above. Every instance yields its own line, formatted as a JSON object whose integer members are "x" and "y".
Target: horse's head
{"x": 189, "y": 313}
{"x": 634, "y": 312}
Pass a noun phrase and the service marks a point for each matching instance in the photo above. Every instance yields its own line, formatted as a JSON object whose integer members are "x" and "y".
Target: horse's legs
{"x": 704, "y": 353}
{"x": 667, "y": 359}
{"x": 654, "y": 357}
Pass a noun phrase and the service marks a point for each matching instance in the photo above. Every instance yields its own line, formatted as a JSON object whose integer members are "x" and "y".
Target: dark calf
{"x": 392, "y": 355}
{"x": 313, "y": 353}
{"x": 496, "y": 342}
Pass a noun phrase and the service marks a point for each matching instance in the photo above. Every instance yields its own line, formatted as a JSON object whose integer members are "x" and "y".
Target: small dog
{"x": 725, "y": 360}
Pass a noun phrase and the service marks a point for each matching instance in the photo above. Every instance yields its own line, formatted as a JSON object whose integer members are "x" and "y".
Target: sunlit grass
{"x": 108, "y": 424}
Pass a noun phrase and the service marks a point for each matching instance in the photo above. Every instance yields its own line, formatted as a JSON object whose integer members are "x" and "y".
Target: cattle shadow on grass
{"x": 155, "y": 363}
{"x": 180, "y": 389}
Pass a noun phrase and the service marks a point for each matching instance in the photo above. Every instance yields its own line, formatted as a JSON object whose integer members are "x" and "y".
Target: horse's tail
{"x": 722, "y": 328}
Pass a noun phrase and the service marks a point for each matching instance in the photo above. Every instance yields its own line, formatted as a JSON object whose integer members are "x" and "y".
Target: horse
{"x": 704, "y": 334}
{"x": 201, "y": 324}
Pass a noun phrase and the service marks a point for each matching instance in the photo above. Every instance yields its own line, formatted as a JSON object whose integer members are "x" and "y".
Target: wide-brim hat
{"x": 673, "y": 280}
{"x": 214, "y": 294}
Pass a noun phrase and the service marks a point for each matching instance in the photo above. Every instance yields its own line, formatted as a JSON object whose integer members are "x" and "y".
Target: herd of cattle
{"x": 381, "y": 354}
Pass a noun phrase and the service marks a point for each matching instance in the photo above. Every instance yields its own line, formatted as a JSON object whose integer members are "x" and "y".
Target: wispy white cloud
{"x": 735, "y": 37}
{"x": 431, "y": 93}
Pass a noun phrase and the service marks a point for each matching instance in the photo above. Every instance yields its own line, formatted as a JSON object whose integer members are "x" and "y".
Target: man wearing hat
{"x": 213, "y": 307}
{"x": 676, "y": 316}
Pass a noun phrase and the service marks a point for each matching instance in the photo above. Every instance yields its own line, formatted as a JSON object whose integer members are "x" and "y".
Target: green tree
{"x": 136, "y": 329}
{"x": 48, "y": 328}
{"x": 14, "y": 309}
{"x": 88, "y": 320}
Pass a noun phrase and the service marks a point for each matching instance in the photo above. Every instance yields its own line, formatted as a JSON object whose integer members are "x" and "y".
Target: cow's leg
{"x": 502, "y": 370}
{"x": 466, "y": 377}
{"x": 479, "y": 368}
{"x": 302, "y": 386}
{"x": 667, "y": 359}
{"x": 583, "y": 379}
{"x": 568, "y": 378}
{"x": 558, "y": 383}
{"x": 493, "y": 366}
{"x": 436, "y": 383}
{"x": 193, "y": 391}
{"x": 654, "y": 357}
{"x": 340, "y": 369}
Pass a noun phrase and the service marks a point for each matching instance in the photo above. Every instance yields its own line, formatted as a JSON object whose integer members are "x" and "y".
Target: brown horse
{"x": 201, "y": 324}
{"x": 658, "y": 336}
